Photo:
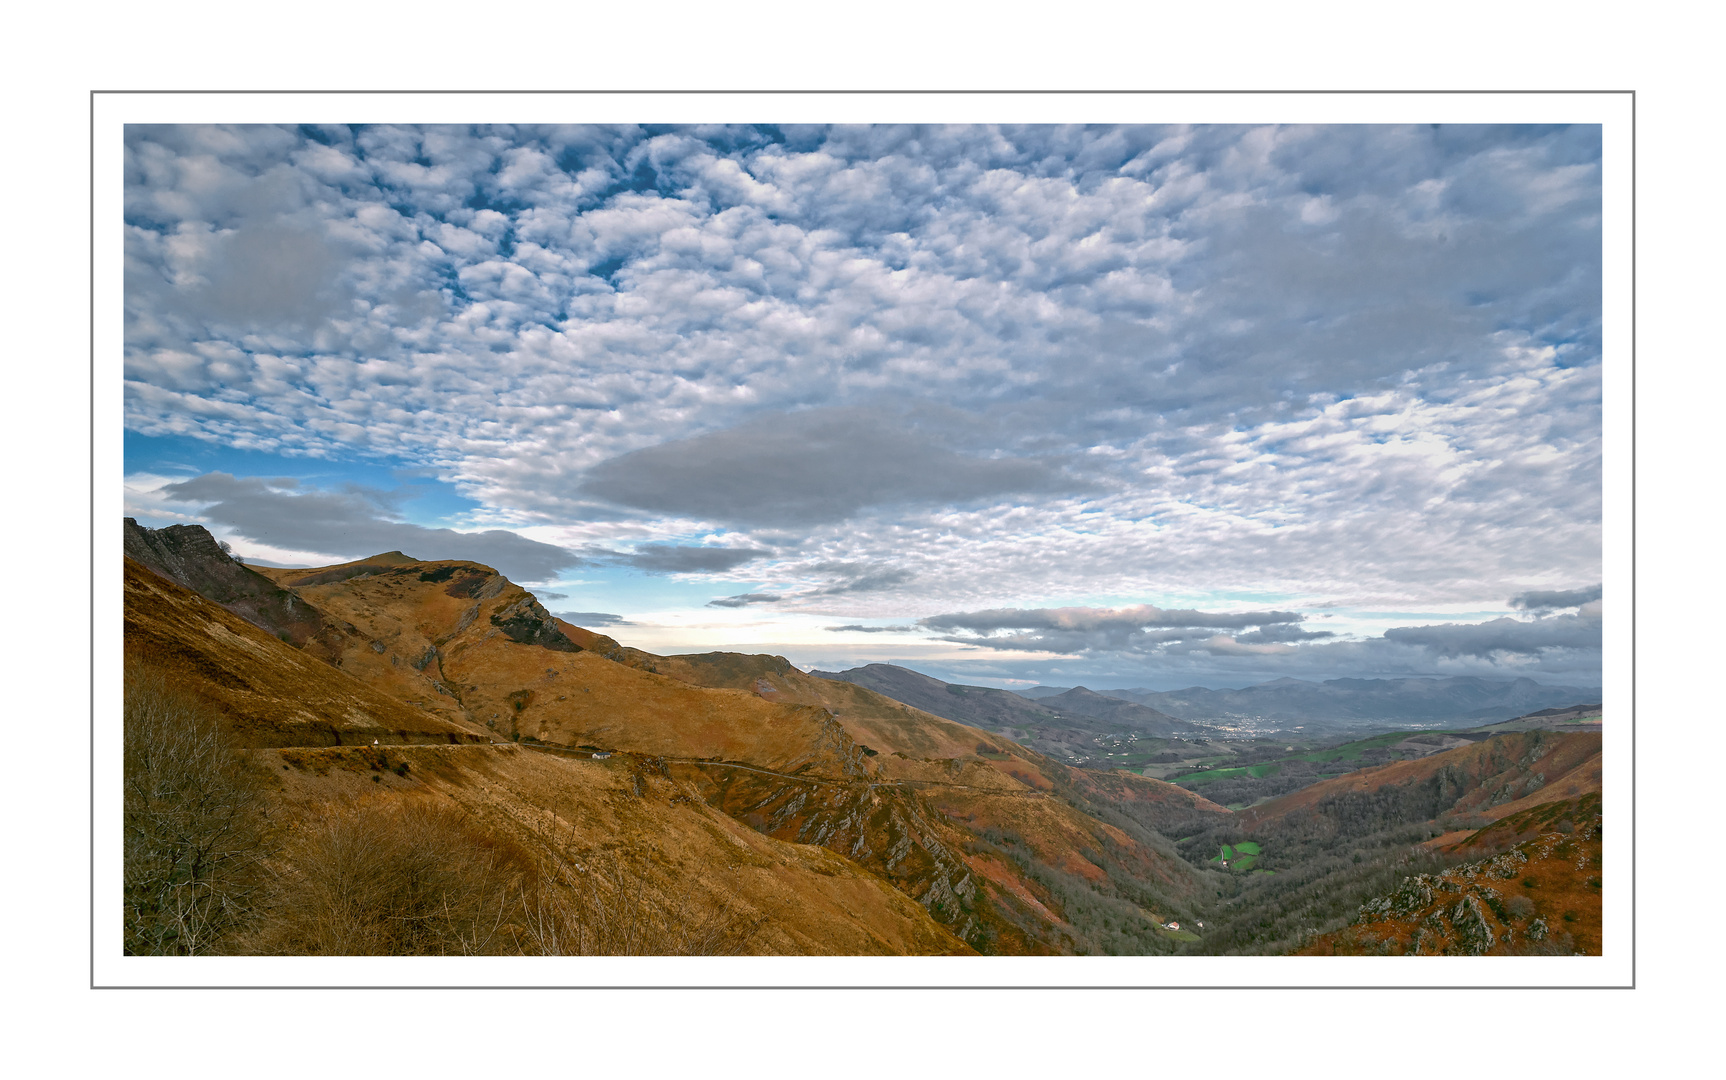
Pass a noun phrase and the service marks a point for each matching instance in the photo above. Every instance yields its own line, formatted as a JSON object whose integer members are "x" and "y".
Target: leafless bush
{"x": 194, "y": 824}
{"x": 401, "y": 879}
{"x": 422, "y": 879}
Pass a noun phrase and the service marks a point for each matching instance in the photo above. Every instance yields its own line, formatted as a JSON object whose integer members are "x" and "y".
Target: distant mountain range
{"x": 1413, "y": 700}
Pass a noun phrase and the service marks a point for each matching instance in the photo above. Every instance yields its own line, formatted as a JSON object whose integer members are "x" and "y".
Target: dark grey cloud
{"x": 865, "y": 581}
{"x": 688, "y": 558}
{"x": 353, "y": 523}
{"x": 1549, "y": 601}
{"x": 551, "y": 595}
{"x": 812, "y": 467}
{"x": 1503, "y": 636}
{"x": 590, "y": 619}
{"x": 1281, "y": 633}
{"x": 857, "y": 628}
{"x": 745, "y": 599}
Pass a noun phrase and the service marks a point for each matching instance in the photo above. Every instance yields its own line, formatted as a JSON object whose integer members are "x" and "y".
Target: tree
{"x": 194, "y": 824}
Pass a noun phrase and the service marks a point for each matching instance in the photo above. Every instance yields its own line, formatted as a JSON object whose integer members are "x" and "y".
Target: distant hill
{"x": 1080, "y": 701}
{"x": 980, "y": 705}
{"x": 1460, "y": 698}
{"x": 1491, "y": 778}
{"x": 1077, "y": 727}
{"x": 1571, "y": 718}
{"x": 1037, "y": 693}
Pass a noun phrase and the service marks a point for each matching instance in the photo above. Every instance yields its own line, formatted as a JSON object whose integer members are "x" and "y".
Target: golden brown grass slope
{"x": 267, "y": 692}
{"x": 990, "y": 786}
{"x": 903, "y": 793}
{"x": 461, "y": 640}
{"x": 600, "y": 826}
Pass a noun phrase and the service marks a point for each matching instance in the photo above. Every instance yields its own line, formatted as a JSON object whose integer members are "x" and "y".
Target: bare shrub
{"x": 401, "y": 879}
{"x": 418, "y": 878}
{"x": 194, "y": 824}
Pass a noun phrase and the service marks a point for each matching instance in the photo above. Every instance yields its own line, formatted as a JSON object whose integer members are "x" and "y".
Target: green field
{"x": 1239, "y": 856}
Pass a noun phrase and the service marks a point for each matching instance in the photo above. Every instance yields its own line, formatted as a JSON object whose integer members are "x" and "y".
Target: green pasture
{"x": 1239, "y": 856}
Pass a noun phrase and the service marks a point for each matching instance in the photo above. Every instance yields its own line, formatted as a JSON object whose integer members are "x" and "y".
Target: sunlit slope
{"x": 269, "y": 693}
{"x": 900, "y": 792}
{"x": 461, "y": 639}
{"x": 623, "y": 814}
{"x": 990, "y": 785}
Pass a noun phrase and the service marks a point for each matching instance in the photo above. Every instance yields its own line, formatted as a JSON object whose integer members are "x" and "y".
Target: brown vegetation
{"x": 1541, "y": 896}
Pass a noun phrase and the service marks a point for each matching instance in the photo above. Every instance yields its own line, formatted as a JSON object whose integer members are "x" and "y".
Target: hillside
{"x": 1455, "y": 700}
{"x": 1489, "y": 778}
{"x": 1541, "y": 896}
{"x": 1080, "y": 701}
{"x": 189, "y": 556}
{"x": 621, "y": 819}
{"x": 980, "y": 832}
{"x": 1073, "y": 734}
{"x": 536, "y": 823}
{"x": 1031, "y": 827}
{"x": 979, "y": 706}
{"x": 267, "y": 692}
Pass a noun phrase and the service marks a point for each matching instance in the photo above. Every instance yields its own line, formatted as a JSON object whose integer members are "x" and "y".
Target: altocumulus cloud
{"x": 1010, "y": 363}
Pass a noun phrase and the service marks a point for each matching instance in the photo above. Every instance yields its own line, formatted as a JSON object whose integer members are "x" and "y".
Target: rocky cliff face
{"x": 190, "y": 557}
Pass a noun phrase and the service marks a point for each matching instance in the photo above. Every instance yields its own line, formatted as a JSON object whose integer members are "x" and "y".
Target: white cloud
{"x": 1355, "y": 365}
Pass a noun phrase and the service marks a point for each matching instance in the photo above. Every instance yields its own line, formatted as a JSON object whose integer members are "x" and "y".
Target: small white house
{"x": 1171, "y": 925}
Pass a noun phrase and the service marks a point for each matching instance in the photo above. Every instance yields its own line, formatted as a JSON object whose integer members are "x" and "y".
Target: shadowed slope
{"x": 1495, "y": 777}
{"x": 982, "y": 706}
{"x": 1541, "y": 896}
{"x": 189, "y": 556}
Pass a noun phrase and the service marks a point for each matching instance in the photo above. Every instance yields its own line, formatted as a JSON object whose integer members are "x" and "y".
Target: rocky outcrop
{"x": 190, "y": 557}
{"x": 1503, "y": 905}
{"x": 527, "y": 622}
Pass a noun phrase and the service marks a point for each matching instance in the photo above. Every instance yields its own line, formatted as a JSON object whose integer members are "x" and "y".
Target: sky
{"x": 1123, "y": 406}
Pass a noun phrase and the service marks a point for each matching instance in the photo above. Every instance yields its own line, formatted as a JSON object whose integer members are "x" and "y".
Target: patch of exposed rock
{"x": 190, "y": 557}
